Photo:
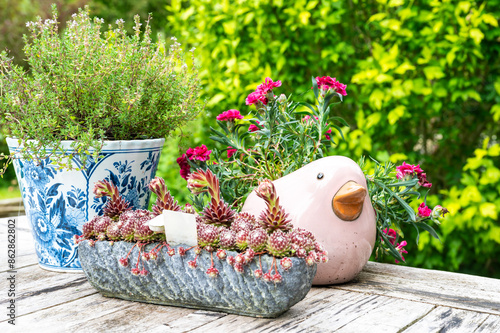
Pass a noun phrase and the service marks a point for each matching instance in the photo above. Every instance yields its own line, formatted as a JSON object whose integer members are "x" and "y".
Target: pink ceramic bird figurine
{"x": 329, "y": 198}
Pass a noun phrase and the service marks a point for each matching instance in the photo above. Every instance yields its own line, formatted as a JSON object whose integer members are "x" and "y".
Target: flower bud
{"x": 282, "y": 98}
{"x": 265, "y": 189}
{"x": 157, "y": 186}
{"x": 439, "y": 211}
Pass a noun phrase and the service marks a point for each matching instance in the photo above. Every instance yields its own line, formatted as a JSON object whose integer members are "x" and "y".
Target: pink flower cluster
{"x": 253, "y": 128}
{"x": 229, "y": 115}
{"x": 423, "y": 210}
{"x": 392, "y": 235}
{"x": 259, "y": 95}
{"x": 184, "y": 165}
{"x": 327, "y": 82}
{"x": 411, "y": 170}
{"x": 199, "y": 153}
{"x": 306, "y": 119}
{"x": 231, "y": 151}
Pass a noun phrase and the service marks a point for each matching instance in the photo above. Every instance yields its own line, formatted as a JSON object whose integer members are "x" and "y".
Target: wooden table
{"x": 383, "y": 298}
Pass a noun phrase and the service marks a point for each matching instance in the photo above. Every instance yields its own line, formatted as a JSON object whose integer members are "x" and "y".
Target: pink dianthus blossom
{"x": 401, "y": 250}
{"x": 268, "y": 85}
{"x": 184, "y": 165}
{"x": 253, "y": 128}
{"x": 327, "y": 82}
{"x": 423, "y": 210}
{"x": 259, "y": 95}
{"x": 199, "y": 153}
{"x": 229, "y": 115}
{"x": 231, "y": 151}
{"x": 255, "y": 98}
{"x": 409, "y": 169}
{"x": 391, "y": 234}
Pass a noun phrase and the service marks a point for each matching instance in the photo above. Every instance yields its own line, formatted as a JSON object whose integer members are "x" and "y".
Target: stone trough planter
{"x": 172, "y": 282}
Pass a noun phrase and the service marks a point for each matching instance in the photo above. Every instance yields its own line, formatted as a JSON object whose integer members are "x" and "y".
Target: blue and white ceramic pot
{"x": 58, "y": 202}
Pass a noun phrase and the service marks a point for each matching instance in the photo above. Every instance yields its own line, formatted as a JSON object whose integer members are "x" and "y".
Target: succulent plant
{"x": 279, "y": 244}
{"x": 218, "y": 213}
{"x": 274, "y": 217}
{"x": 227, "y": 239}
{"x": 257, "y": 239}
{"x": 208, "y": 236}
{"x": 113, "y": 231}
{"x": 101, "y": 224}
{"x": 244, "y": 221}
{"x": 164, "y": 200}
{"x": 116, "y": 204}
{"x": 241, "y": 239}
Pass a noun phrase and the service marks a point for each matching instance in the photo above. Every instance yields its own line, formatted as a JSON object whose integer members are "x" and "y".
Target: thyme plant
{"x": 90, "y": 84}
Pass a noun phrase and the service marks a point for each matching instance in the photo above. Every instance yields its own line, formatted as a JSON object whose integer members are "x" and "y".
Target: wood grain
{"x": 383, "y": 298}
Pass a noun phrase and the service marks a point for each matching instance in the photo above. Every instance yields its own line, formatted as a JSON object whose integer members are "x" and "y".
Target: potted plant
{"x": 240, "y": 263}
{"x": 95, "y": 104}
{"x": 350, "y": 210}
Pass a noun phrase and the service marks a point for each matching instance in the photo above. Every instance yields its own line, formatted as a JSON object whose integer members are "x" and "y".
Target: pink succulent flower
{"x": 286, "y": 263}
{"x": 192, "y": 264}
{"x": 258, "y": 273}
{"x": 123, "y": 262}
{"x": 423, "y": 210}
{"x": 212, "y": 272}
{"x": 229, "y": 115}
{"x": 221, "y": 254}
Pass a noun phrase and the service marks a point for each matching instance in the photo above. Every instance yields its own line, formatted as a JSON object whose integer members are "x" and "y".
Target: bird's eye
{"x": 320, "y": 175}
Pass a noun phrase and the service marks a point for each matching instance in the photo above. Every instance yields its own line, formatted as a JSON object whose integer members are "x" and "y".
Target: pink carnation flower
{"x": 391, "y": 234}
{"x": 423, "y": 210}
{"x": 409, "y": 169}
{"x": 400, "y": 248}
{"x": 199, "y": 153}
{"x": 229, "y": 115}
{"x": 231, "y": 151}
{"x": 253, "y": 128}
{"x": 259, "y": 95}
{"x": 255, "y": 98}
{"x": 268, "y": 85}
{"x": 185, "y": 168}
{"x": 327, "y": 82}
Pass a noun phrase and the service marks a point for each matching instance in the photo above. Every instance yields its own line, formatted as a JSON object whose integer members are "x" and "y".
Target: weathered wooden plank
{"x": 96, "y": 313}
{"x": 491, "y": 324}
{"x": 230, "y": 323}
{"x": 38, "y": 289}
{"x": 429, "y": 286}
{"x": 445, "y": 319}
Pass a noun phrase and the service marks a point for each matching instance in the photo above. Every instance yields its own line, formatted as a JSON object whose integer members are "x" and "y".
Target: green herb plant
{"x": 87, "y": 85}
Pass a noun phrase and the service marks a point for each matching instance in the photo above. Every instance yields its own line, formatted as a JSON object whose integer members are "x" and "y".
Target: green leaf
{"x": 315, "y": 87}
{"x": 428, "y": 228}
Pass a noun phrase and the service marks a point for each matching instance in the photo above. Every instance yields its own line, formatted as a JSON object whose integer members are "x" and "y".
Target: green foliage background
{"x": 423, "y": 87}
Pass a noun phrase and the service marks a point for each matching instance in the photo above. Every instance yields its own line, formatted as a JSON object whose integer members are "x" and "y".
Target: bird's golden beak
{"x": 348, "y": 202}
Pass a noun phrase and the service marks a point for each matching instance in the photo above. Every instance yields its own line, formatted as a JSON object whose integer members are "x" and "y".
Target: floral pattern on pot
{"x": 58, "y": 202}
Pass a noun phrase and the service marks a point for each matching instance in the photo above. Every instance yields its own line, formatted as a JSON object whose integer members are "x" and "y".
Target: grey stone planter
{"x": 172, "y": 282}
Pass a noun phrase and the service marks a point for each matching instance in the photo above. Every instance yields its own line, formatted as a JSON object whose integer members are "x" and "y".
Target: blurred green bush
{"x": 423, "y": 87}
